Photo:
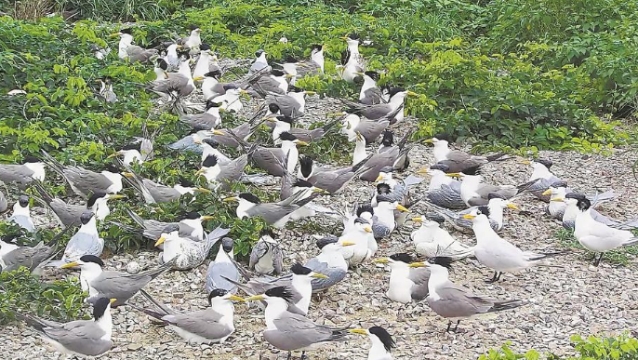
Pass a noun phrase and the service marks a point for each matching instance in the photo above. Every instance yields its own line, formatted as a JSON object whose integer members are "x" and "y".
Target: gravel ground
{"x": 574, "y": 299}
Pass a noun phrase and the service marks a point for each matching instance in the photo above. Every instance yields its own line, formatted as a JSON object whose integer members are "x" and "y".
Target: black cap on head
{"x": 250, "y": 197}
{"x": 361, "y": 220}
{"x": 216, "y": 293}
{"x": 162, "y": 64}
{"x": 326, "y": 240}
{"x": 86, "y": 217}
{"x": 383, "y": 188}
{"x": 171, "y": 228}
{"x": 576, "y": 196}
{"x": 483, "y": 210}
{"x": 364, "y": 208}
{"x": 443, "y": 136}
{"x": 204, "y": 47}
{"x": 302, "y": 183}
{"x": 384, "y": 336}
{"x": 192, "y": 27}
{"x": 29, "y": 159}
{"x": 290, "y": 59}
{"x": 212, "y": 142}
{"x": 559, "y": 184}
{"x": 583, "y": 204}
{"x": 402, "y": 257}
{"x": 293, "y": 88}
{"x": 354, "y": 36}
{"x": 184, "y": 55}
{"x": 305, "y": 164}
{"x": 268, "y": 232}
{"x": 210, "y": 161}
{"x": 491, "y": 196}
{"x": 286, "y": 136}
{"x": 373, "y": 75}
{"x": 546, "y": 162}
{"x": 316, "y": 47}
{"x": 299, "y": 269}
{"x": 131, "y": 146}
{"x": 444, "y": 261}
{"x": 396, "y": 90}
{"x": 227, "y": 244}
{"x": 212, "y": 103}
{"x": 277, "y": 72}
{"x": 92, "y": 259}
{"x": 185, "y": 182}
{"x": 259, "y": 52}
{"x": 96, "y": 195}
{"x": 280, "y": 292}
{"x": 192, "y": 215}
{"x": 126, "y": 31}
{"x": 284, "y": 118}
{"x": 23, "y": 200}
{"x": 274, "y": 108}
{"x": 230, "y": 87}
{"x": 388, "y": 138}
{"x": 214, "y": 74}
{"x": 100, "y": 306}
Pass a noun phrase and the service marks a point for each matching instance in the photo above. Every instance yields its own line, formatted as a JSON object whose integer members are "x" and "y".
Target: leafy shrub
{"x": 622, "y": 347}
{"x": 20, "y": 291}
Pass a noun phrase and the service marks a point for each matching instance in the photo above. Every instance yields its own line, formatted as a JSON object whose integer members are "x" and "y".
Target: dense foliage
{"x": 622, "y": 347}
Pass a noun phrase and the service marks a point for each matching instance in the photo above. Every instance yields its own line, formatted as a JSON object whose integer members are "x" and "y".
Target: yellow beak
{"x": 198, "y": 78}
{"x": 128, "y": 175}
{"x": 347, "y": 243}
{"x": 381, "y": 261}
{"x": 206, "y": 191}
{"x": 411, "y": 93}
{"x": 513, "y": 206}
{"x": 358, "y": 331}
{"x": 310, "y": 93}
{"x": 236, "y": 298}
{"x": 418, "y": 264}
{"x": 111, "y": 301}
{"x": 417, "y": 219}
{"x": 208, "y": 217}
{"x": 423, "y": 171}
{"x": 428, "y": 141}
{"x": 116, "y": 196}
{"x": 230, "y": 199}
{"x": 557, "y": 199}
{"x": 113, "y": 155}
{"x": 402, "y": 208}
{"x": 379, "y": 178}
{"x": 367, "y": 229}
{"x": 217, "y": 132}
{"x": 301, "y": 143}
{"x": 469, "y": 216}
{"x": 255, "y": 298}
{"x": 160, "y": 241}
{"x": 70, "y": 265}
{"x": 547, "y": 192}
{"x": 525, "y": 162}
{"x": 318, "y": 276}
{"x": 453, "y": 175}
{"x": 199, "y": 172}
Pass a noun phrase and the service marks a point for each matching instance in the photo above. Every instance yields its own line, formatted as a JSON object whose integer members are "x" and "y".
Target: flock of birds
{"x": 456, "y": 195}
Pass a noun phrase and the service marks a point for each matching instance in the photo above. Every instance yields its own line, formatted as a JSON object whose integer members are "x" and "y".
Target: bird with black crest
{"x": 315, "y": 64}
{"x": 380, "y": 160}
{"x": 130, "y": 52}
{"x": 13, "y": 256}
{"x": 293, "y": 103}
{"x": 260, "y": 64}
{"x": 207, "y": 120}
{"x": 210, "y": 146}
{"x": 155, "y": 192}
{"x": 475, "y": 193}
{"x": 273, "y": 82}
{"x": 223, "y": 176}
{"x": 456, "y": 160}
{"x": 135, "y": 152}
{"x": 408, "y": 278}
{"x": 289, "y": 331}
{"x": 22, "y": 214}
{"x": 331, "y": 180}
{"x": 178, "y": 84}
{"x": 190, "y": 226}
{"x": 382, "y": 342}
{"x": 370, "y": 93}
{"x": 443, "y": 190}
{"x": 160, "y": 69}
{"x": 369, "y": 129}
{"x": 289, "y": 65}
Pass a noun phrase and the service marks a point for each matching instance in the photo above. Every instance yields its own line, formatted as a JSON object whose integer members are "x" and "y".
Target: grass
{"x": 620, "y": 256}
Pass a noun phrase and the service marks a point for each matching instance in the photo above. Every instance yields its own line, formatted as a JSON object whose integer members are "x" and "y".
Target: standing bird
{"x": 365, "y": 245}
{"x": 221, "y": 268}
{"x": 351, "y": 60}
{"x": 329, "y": 262}
{"x": 203, "y": 65}
{"x": 333, "y": 181}
{"x": 382, "y": 342}
{"x": 85, "y": 182}
{"x": 22, "y": 214}
{"x": 496, "y": 204}
{"x": 212, "y": 325}
{"x": 177, "y": 84}
{"x": 273, "y": 82}
{"x": 497, "y": 253}
{"x": 541, "y": 172}
{"x": 222, "y": 175}
{"x": 84, "y": 338}
{"x": 443, "y": 190}
{"x": 293, "y": 104}
{"x": 314, "y": 65}
{"x": 288, "y": 331}
{"x": 476, "y": 193}
{"x": 153, "y": 192}
{"x": 32, "y": 169}
{"x": 455, "y": 160}
{"x": 451, "y": 301}
{"x": 378, "y": 111}
{"x": 596, "y": 236}
{"x": 161, "y": 66}
{"x": 111, "y": 284}
{"x": 130, "y": 52}
{"x": 192, "y": 42}
{"x": 267, "y": 256}
{"x": 260, "y": 63}
{"x": 138, "y": 152}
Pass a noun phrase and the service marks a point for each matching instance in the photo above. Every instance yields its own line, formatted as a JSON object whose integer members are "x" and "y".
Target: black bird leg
{"x": 449, "y": 324}
{"x": 495, "y": 278}
{"x": 289, "y": 355}
{"x": 597, "y": 262}
{"x": 303, "y": 355}
{"x": 457, "y": 325}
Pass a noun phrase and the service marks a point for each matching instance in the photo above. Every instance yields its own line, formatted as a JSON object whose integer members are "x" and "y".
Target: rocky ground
{"x": 575, "y": 298}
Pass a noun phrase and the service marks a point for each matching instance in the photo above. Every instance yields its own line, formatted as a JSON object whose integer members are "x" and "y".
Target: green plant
{"x": 23, "y": 292}
{"x": 620, "y": 256}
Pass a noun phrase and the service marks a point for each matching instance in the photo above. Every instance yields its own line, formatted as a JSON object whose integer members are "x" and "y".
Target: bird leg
{"x": 449, "y": 324}
{"x": 289, "y": 355}
{"x": 597, "y": 262}
{"x": 495, "y": 278}
{"x": 303, "y": 355}
{"x": 457, "y": 325}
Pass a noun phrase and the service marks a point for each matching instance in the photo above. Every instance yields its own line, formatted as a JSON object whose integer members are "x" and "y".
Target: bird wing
{"x": 371, "y": 129}
{"x": 233, "y": 170}
{"x": 174, "y": 81}
{"x": 270, "y": 159}
{"x": 458, "y": 302}
{"x": 203, "y": 121}
{"x": 120, "y": 286}
{"x": 204, "y": 323}
{"x": 15, "y": 173}
{"x": 287, "y": 105}
{"x": 83, "y": 244}
{"x": 23, "y": 221}
{"x": 295, "y": 331}
{"x": 373, "y": 96}
{"x": 29, "y": 257}
{"x": 334, "y": 275}
{"x": 375, "y": 112}
{"x": 420, "y": 278}
{"x": 86, "y": 180}
{"x": 216, "y": 273}
{"x": 259, "y": 250}
{"x": 82, "y": 337}
{"x": 159, "y": 192}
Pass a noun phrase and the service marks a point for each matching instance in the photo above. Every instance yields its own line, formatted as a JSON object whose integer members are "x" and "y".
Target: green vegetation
{"x": 23, "y": 292}
{"x": 620, "y": 256}
{"x": 623, "y": 347}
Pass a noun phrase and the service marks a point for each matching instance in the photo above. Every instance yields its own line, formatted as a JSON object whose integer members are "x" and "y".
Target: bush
{"x": 623, "y": 347}
{"x": 20, "y": 291}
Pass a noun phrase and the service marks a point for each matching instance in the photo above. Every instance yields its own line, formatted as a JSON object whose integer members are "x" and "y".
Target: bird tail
{"x": 33, "y": 321}
{"x": 360, "y": 164}
{"x": 53, "y": 163}
{"x": 158, "y": 315}
{"x": 330, "y": 125}
{"x": 526, "y": 186}
{"x": 153, "y": 273}
{"x": 496, "y": 157}
{"x": 631, "y": 241}
{"x": 352, "y": 106}
{"x": 404, "y": 139}
{"x": 506, "y": 305}
{"x": 548, "y": 255}
{"x": 138, "y": 220}
{"x": 39, "y": 187}
{"x": 243, "y": 287}
{"x": 213, "y": 237}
